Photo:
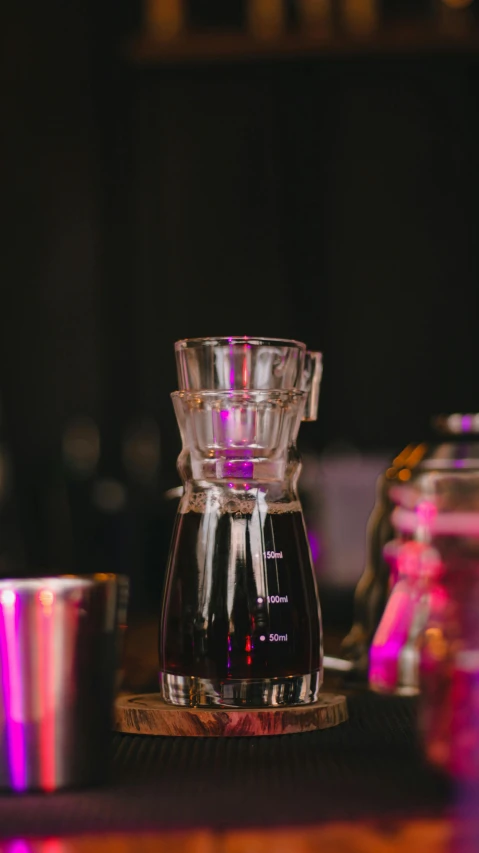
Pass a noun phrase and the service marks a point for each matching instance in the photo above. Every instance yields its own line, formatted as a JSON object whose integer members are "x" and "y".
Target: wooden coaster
{"x": 147, "y": 714}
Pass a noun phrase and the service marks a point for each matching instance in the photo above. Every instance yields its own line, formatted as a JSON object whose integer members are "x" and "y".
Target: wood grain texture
{"x": 147, "y": 714}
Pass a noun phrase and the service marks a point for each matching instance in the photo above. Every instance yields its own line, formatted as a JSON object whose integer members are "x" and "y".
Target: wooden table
{"x": 412, "y": 837}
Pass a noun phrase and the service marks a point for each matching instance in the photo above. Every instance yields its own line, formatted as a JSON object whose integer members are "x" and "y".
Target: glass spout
{"x": 312, "y": 373}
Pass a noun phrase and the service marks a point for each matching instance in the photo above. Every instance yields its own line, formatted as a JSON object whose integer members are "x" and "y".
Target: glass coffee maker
{"x": 241, "y": 623}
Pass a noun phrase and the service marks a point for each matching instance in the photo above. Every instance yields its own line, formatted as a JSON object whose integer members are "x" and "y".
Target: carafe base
{"x": 192, "y": 691}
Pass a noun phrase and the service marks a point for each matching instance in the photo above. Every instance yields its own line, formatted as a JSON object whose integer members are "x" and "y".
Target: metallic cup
{"x": 112, "y": 591}
{"x": 58, "y": 656}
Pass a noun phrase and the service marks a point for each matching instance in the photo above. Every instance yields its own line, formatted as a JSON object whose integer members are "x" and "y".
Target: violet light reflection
{"x": 12, "y": 687}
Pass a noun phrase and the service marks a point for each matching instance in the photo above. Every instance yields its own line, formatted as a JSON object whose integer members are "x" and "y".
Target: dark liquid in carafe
{"x": 240, "y": 599}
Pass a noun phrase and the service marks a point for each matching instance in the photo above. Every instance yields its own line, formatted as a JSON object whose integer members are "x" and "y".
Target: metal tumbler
{"x": 58, "y": 657}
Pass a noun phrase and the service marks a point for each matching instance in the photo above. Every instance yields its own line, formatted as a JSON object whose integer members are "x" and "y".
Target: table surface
{"x": 362, "y": 786}
{"x": 416, "y": 836}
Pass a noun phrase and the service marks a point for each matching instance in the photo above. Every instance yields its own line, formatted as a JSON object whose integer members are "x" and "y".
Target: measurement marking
{"x": 260, "y": 600}
{"x": 262, "y": 638}
{"x": 274, "y": 551}
{"x": 278, "y": 599}
{"x": 273, "y": 555}
{"x": 278, "y": 638}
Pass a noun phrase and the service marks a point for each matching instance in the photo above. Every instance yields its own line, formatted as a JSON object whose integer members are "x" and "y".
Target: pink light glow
{"x": 464, "y": 736}
{"x": 12, "y": 689}
{"x": 383, "y": 665}
{"x": 426, "y": 512}
{"x": 232, "y": 366}
{"x": 390, "y": 638}
{"x": 444, "y": 523}
{"x": 409, "y": 558}
{"x": 46, "y": 688}
{"x": 8, "y": 598}
{"x": 314, "y": 546}
{"x": 44, "y": 845}
{"x": 245, "y": 366}
{"x": 53, "y": 845}
{"x": 18, "y": 845}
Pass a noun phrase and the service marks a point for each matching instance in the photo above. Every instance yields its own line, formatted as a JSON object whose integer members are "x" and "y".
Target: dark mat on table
{"x": 369, "y": 767}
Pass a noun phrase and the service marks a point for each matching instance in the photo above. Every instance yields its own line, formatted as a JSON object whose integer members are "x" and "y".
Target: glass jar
{"x": 453, "y": 444}
{"x": 440, "y": 511}
{"x": 449, "y": 660}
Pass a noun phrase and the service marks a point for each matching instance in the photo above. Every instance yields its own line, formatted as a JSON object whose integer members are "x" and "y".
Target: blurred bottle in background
{"x": 337, "y": 491}
{"x": 164, "y": 19}
{"x": 316, "y": 16}
{"x": 266, "y": 18}
{"x": 117, "y": 511}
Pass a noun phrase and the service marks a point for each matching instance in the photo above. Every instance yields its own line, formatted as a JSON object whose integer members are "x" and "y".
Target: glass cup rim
{"x": 54, "y": 583}
{"x": 237, "y": 340}
{"x": 245, "y": 394}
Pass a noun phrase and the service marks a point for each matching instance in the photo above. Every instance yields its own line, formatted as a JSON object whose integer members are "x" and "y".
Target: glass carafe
{"x": 240, "y": 623}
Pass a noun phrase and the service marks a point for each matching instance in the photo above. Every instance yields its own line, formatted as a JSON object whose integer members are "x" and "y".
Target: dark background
{"x": 329, "y": 198}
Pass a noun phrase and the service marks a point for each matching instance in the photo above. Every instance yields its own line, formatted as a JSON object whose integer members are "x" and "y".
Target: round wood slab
{"x": 147, "y": 714}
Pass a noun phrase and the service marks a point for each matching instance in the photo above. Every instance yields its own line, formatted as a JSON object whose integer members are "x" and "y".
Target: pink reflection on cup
{"x": 46, "y": 642}
{"x": 10, "y": 664}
